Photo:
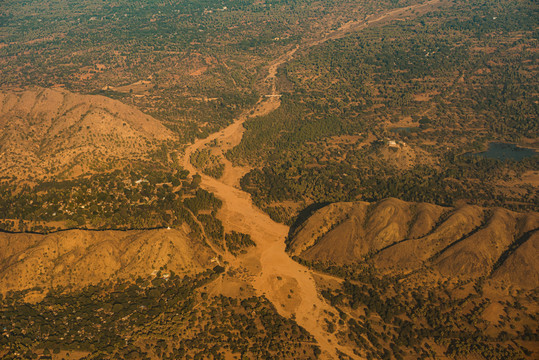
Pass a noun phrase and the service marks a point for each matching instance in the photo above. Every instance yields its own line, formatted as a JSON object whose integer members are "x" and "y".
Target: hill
{"x": 78, "y": 258}
{"x": 56, "y": 132}
{"x": 423, "y": 280}
{"x": 400, "y": 237}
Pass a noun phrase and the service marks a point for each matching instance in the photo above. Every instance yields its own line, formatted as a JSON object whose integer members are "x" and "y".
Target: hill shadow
{"x": 302, "y": 217}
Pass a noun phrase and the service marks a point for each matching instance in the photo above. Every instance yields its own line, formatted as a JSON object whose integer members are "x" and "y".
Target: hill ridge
{"x": 52, "y": 131}
{"x": 57, "y": 259}
{"x": 467, "y": 241}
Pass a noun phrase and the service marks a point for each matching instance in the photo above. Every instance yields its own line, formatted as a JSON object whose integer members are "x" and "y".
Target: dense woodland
{"x": 140, "y": 196}
{"x": 394, "y": 110}
{"x": 166, "y": 317}
{"x": 208, "y": 163}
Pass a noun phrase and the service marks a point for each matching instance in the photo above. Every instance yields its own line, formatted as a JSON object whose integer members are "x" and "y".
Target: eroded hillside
{"x": 401, "y": 237}
{"x": 46, "y": 132}
{"x": 426, "y": 281}
{"x": 77, "y": 258}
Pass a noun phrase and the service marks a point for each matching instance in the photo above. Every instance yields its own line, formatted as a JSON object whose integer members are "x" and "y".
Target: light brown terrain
{"x": 465, "y": 242}
{"x": 85, "y": 257}
{"x": 56, "y": 132}
{"x": 77, "y": 258}
{"x": 287, "y": 284}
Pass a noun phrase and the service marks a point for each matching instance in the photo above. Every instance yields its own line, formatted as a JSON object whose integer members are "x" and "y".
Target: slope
{"x": 54, "y": 131}
{"x": 400, "y": 237}
{"x": 76, "y": 258}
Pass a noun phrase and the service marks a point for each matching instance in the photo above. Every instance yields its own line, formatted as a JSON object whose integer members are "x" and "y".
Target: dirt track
{"x": 287, "y": 284}
{"x": 277, "y": 275}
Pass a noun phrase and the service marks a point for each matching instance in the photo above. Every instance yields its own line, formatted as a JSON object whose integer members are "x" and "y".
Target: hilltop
{"x": 57, "y": 132}
{"x": 77, "y": 258}
{"x": 402, "y": 237}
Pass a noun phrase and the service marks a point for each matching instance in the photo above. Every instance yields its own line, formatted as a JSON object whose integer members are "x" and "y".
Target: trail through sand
{"x": 287, "y": 284}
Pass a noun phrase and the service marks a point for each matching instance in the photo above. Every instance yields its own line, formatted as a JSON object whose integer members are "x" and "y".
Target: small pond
{"x": 505, "y": 151}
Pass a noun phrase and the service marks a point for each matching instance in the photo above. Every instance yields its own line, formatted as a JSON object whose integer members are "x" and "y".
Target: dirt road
{"x": 287, "y": 284}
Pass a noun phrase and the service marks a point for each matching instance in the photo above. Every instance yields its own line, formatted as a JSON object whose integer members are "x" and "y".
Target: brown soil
{"x": 77, "y": 258}
{"x": 465, "y": 242}
{"x": 425, "y": 96}
{"x": 379, "y": 19}
{"x": 56, "y": 132}
{"x": 139, "y": 87}
{"x": 271, "y": 272}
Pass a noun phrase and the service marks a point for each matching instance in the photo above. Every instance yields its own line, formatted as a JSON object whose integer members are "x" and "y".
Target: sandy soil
{"x": 290, "y": 286}
{"x": 287, "y": 284}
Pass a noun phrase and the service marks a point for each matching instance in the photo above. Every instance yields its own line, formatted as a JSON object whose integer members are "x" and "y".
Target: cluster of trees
{"x": 197, "y": 111}
{"x": 145, "y": 195}
{"x": 458, "y": 84}
{"x": 202, "y": 200}
{"x": 162, "y": 317}
{"x": 238, "y": 242}
{"x": 455, "y": 177}
{"x": 208, "y": 163}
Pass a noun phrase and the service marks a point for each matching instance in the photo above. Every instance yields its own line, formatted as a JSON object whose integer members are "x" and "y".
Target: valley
{"x": 272, "y": 188}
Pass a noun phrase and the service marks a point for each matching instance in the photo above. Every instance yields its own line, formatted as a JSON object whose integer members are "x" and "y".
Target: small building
{"x": 392, "y": 144}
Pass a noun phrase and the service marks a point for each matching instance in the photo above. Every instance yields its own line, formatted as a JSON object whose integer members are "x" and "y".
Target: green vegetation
{"x": 208, "y": 163}
{"x": 423, "y": 317}
{"x": 449, "y": 82}
{"x": 238, "y": 242}
{"x": 192, "y": 64}
{"x": 141, "y": 196}
{"x": 166, "y": 317}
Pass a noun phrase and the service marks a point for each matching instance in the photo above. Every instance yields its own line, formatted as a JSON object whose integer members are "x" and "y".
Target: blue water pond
{"x": 505, "y": 151}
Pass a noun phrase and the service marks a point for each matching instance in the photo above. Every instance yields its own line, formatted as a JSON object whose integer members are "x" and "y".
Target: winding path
{"x": 287, "y": 284}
